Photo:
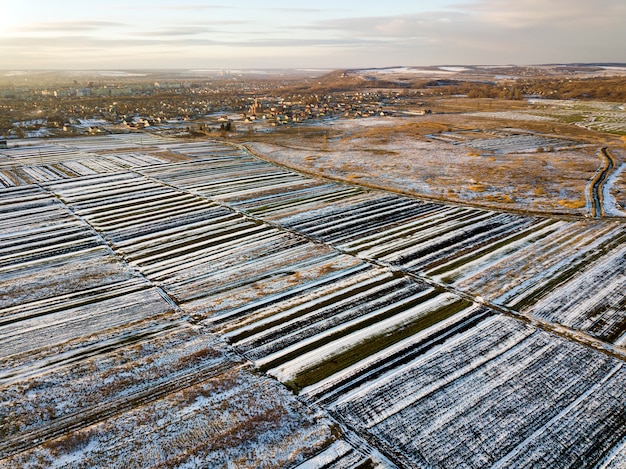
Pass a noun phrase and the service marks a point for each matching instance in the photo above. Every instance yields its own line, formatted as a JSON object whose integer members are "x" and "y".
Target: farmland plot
{"x": 504, "y": 143}
{"x": 206, "y": 149}
{"x": 500, "y": 395}
{"x": 339, "y": 454}
{"x": 59, "y": 282}
{"x": 509, "y": 259}
{"x": 575, "y": 259}
{"x": 319, "y": 298}
{"x": 114, "y": 141}
{"x": 304, "y": 339}
{"x": 205, "y": 256}
{"x": 593, "y": 115}
{"x": 228, "y": 175}
{"x": 275, "y": 203}
{"x": 51, "y": 162}
{"x": 42, "y": 153}
{"x": 593, "y": 301}
{"x": 519, "y": 143}
{"x": 161, "y": 403}
{"x": 32, "y": 164}
{"x": 253, "y": 186}
{"x": 514, "y": 115}
{"x": 609, "y": 122}
{"x": 393, "y": 229}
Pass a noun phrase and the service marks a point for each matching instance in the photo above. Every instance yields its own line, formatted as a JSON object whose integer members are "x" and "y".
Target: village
{"x": 93, "y": 108}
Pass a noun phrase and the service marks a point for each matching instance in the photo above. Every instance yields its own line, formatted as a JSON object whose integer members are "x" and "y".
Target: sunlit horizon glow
{"x": 322, "y": 34}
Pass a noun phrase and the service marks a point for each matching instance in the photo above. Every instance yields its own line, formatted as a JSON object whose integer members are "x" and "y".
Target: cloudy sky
{"x": 133, "y": 34}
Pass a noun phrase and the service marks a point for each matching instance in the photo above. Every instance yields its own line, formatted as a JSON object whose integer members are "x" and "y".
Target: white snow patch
{"x": 76, "y": 456}
{"x": 356, "y": 369}
{"x": 454, "y": 69}
{"x": 328, "y": 456}
{"x": 91, "y": 122}
{"x": 611, "y": 206}
{"x": 289, "y": 370}
{"x": 401, "y": 70}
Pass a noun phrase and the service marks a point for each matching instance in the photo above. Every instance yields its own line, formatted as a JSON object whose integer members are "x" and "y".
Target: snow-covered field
{"x": 520, "y": 144}
{"x": 594, "y": 115}
{"x": 181, "y": 399}
{"x": 611, "y": 122}
{"x": 512, "y": 260}
{"x": 62, "y": 159}
{"x": 501, "y": 171}
{"x": 500, "y": 395}
{"x": 514, "y": 115}
{"x": 100, "y": 365}
{"x": 135, "y": 300}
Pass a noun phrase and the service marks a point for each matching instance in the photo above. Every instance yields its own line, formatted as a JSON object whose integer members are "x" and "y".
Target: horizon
{"x": 166, "y": 35}
{"x": 251, "y": 70}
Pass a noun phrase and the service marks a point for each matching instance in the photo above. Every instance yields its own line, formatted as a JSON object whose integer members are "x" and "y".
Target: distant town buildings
{"x": 256, "y": 108}
{"x": 93, "y": 107}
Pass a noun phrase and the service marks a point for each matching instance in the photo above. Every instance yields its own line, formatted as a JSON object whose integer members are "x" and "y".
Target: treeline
{"x": 473, "y": 89}
{"x": 598, "y": 89}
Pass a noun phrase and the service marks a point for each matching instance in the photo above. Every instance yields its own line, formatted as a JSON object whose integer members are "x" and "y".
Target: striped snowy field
{"x": 511, "y": 260}
{"x": 435, "y": 335}
{"x": 60, "y": 283}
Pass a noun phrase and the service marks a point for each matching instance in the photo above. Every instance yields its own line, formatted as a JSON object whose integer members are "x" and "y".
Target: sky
{"x": 333, "y": 34}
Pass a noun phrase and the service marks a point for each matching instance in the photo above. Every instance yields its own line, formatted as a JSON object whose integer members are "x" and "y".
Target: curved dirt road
{"x": 597, "y": 209}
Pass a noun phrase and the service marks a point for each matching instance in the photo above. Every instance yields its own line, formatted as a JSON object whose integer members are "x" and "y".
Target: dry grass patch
{"x": 477, "y": 187}
{"x": 574, "y": 204}
{"x": 500, "y": 199}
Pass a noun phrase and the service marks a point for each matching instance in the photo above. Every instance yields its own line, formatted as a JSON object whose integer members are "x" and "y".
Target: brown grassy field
{"x": 487, "y": 159}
